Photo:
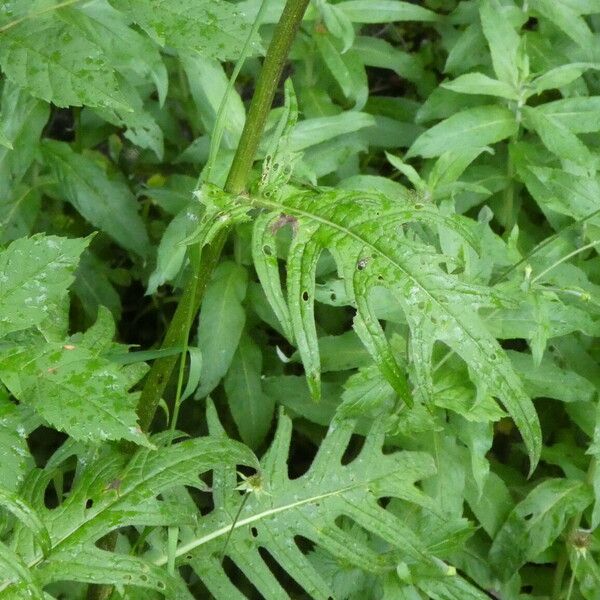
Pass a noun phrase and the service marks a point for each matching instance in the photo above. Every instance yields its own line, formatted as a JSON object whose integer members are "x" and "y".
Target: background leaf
{"x": 222, "y": 319}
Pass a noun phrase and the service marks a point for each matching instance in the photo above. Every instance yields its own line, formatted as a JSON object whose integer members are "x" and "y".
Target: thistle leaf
{"x": 363, "y": 233}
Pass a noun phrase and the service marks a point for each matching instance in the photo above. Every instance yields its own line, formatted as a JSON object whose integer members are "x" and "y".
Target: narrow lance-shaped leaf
{"x": 251, "y": 408}
{"x": 222, "y": 319}
{"x": 384, "y": 11}
{"x": 473, "y": 128}
{"x": 503, "y": 41}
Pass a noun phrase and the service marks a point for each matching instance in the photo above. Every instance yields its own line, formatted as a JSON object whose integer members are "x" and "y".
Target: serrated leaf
{"x": 111, "y": 493}
{"x": 281, "y": 509}
{"x": 52, "y": 62}
{"x": 35, "y": 274}
{"x": 473, "y": 128}
{"x": 222, "y": 319}
{"x": 369, "y": 253}
{"x": 125, "y": 49}
{"x": 73, "y": 387}
{"x": 211, "y": 28}
{"x": 106, "y": 203}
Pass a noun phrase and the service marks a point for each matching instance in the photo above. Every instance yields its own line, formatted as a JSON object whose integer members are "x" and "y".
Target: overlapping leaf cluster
{"x": 403, "y": 324}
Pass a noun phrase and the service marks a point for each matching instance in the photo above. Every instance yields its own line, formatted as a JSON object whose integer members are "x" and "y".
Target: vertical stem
{"x": 266, "y": 86}
{"x": 262, "y": 99}
{"x": 179, "y": 327}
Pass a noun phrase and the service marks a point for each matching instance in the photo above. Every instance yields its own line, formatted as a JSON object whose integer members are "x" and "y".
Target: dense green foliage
{"x": 390, "y": 391}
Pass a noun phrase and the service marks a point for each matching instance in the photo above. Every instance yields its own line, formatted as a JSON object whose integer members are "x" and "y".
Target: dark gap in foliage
{"x": 187, "y": 574}
{"x": 198, "y": 589}
{"x": 239, "y": 579}
{"x": 302, "y": 454}
{"x": 386, "y": 82}
{"x": 61, "y": 125}
{"x": 334, "y": 320}
{"x": 43, "y": 441}
{"x": 246, "y": 470}
{"x": 51, "y": 499}
{"x": 291, "y": 586}
{"x": 279, "y": 99}
{"x": 384, "y": 501}
{"x": 507, "y": 445}
{"x": 202, "y": 499}
{"x": 304, "y": 544}
{"x": 517, "y": 344}
{"x": 531, "y": 24}
{"x": 145, "y": 318}
{"x": 355, "y": 445}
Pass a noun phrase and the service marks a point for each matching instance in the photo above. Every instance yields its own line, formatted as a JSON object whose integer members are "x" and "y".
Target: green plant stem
{"x": 189, "y": 304}
{"x": 177, "y": 332}
{"x": 237, "y": 180}
{"x": 219, "y": 128}
{"x": 215, "y": 145}
{"x": 266, "y": 86}
{"x": 564, "y": 259}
